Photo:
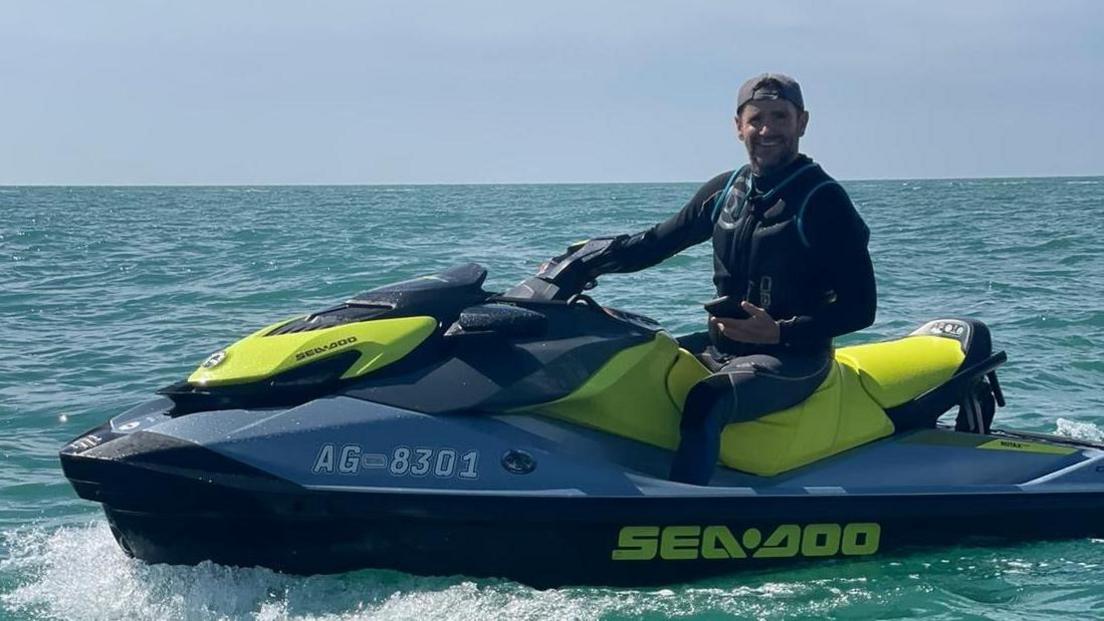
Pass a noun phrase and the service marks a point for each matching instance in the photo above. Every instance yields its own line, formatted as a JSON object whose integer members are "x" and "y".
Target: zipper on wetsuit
{"x": 742, "y": 238}
{"x": 745, "y": 243}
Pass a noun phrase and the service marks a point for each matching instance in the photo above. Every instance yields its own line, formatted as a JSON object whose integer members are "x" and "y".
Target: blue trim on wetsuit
{"x": 719, "y": 204}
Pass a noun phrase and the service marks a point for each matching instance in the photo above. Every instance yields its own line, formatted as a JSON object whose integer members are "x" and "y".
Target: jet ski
{"x": 432, "y": 427}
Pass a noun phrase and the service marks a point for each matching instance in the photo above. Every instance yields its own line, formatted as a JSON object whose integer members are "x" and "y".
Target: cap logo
{"x": 767, "y": 92}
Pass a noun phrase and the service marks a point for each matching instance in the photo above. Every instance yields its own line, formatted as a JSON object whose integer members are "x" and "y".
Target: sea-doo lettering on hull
{"x": 687, "y": 543}
{"x": 303, "y": 355}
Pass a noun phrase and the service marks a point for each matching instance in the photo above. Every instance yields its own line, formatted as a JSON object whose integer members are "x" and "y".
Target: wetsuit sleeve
{"x": 837, "y": 237}
{"x": 692, "y": 225}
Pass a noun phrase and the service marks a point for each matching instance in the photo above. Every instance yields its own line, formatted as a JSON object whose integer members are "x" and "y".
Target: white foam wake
{"x": 1079, "y": 430}
{"x": 78, "y": 572}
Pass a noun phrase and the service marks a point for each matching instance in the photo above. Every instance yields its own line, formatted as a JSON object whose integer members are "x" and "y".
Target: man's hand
{"x": 759, "y": 328}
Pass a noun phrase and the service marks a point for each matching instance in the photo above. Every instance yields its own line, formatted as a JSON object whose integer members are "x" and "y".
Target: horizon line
{"x": 490, "y": 183}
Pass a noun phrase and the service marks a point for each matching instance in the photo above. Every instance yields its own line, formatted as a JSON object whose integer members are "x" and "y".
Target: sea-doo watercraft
{"x": 432, "y": 427}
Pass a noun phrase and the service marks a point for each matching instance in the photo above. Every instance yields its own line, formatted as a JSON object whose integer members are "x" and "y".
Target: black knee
{"x": 710, "y": 400}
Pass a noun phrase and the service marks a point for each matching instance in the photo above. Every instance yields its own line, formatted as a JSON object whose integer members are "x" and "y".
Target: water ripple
{"x": 109, "y": 293}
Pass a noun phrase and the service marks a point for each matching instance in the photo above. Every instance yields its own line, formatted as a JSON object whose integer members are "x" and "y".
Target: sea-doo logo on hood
{"x": 214, "y": 360}
{"x": 314, "y": 351}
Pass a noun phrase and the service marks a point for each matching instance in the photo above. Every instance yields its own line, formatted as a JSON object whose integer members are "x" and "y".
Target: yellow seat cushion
{"x": 894, "y": 372}
{"x": 847, "y": 410}
{"x": 838, "y": 416}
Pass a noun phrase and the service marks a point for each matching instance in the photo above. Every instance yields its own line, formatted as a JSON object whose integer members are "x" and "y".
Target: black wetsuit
{"x": 791, "y": 243}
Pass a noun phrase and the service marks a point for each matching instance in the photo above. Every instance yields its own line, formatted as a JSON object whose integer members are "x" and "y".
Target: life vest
{"x": 760, "y": 252}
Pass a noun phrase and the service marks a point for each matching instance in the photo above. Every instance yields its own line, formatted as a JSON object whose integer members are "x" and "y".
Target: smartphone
{"x": 725, "y": 306}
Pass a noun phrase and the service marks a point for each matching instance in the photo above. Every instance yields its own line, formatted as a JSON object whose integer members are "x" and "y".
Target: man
{"x": 789, "y": 251}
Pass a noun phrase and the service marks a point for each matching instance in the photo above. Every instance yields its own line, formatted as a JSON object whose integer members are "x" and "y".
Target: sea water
{"x": 107, "y": 293}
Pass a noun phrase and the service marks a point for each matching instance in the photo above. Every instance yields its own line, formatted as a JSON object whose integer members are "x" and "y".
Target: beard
{"x": 767, "y": 159}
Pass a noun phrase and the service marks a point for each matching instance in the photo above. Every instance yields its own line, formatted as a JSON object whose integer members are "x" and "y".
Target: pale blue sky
{"x": 198, "y": 91}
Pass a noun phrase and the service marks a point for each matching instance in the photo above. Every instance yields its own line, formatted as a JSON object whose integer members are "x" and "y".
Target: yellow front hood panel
{"x": 256, "y": 357}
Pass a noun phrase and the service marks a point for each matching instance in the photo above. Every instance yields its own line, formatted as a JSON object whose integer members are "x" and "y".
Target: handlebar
{"x": 567, "y": 275}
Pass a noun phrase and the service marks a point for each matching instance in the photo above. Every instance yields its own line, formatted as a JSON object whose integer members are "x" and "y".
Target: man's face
{"x": 770, "y": 129}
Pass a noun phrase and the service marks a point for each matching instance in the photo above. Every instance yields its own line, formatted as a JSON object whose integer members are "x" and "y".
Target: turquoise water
{"x": 109, "y": 293}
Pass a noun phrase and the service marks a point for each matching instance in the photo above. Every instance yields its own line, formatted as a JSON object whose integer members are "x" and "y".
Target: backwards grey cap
{"x": 770, "y": 86}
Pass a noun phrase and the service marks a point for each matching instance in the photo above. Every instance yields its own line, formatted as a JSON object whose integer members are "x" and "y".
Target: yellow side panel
{"x": 627, "y": 396}
{"x": 839, "y": 416}
{"x": 894, "y": 372}
{"x": 686, "y": 372}
{"x": 380, "y": 342}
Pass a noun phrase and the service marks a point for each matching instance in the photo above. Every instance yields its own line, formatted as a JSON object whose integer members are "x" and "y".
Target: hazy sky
{"x": 473, "y": 91}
